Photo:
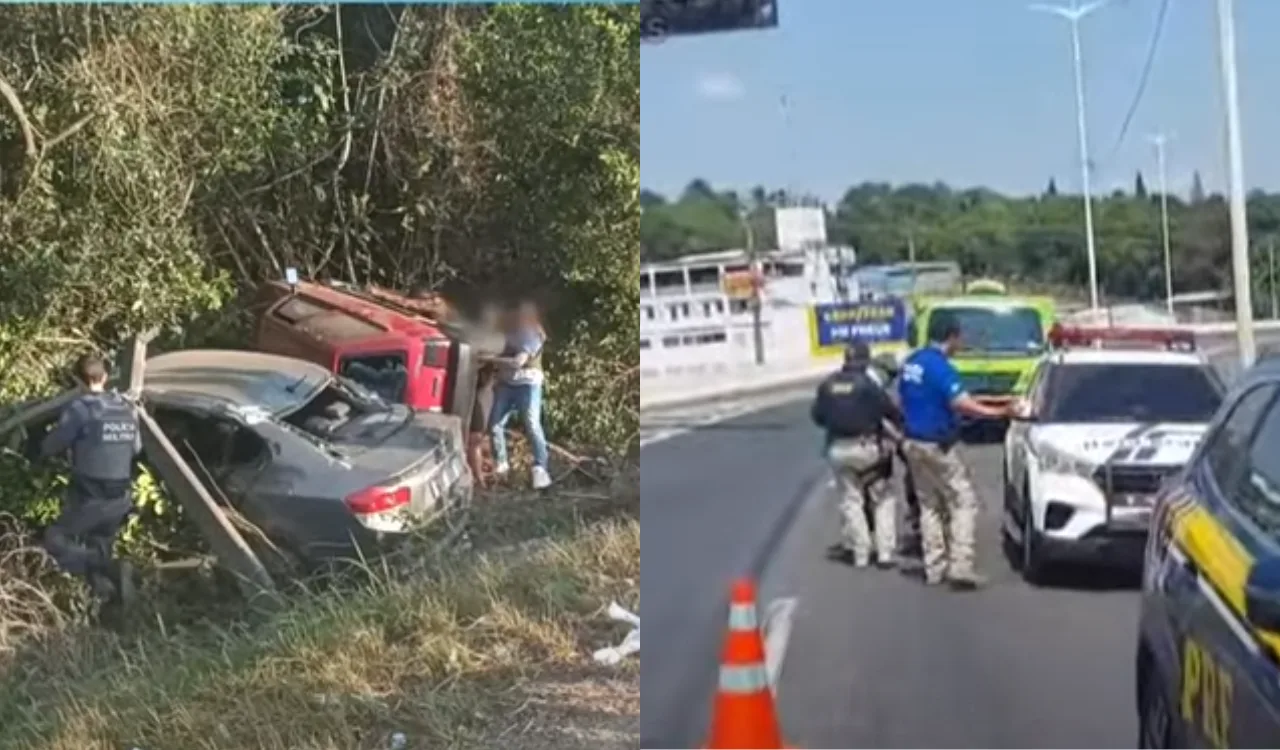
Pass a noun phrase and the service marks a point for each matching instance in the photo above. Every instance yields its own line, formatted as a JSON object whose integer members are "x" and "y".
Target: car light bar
{"x": 1176, "y": 339}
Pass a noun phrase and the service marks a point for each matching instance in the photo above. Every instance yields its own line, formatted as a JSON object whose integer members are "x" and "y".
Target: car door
{"x": 1228, "y": 682}
{"x": 1019, "y": 432}
{"x": 228, "y": 456}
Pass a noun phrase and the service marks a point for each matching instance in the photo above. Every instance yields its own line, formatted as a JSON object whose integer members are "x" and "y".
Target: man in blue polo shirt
{"x": 932, "y": 399}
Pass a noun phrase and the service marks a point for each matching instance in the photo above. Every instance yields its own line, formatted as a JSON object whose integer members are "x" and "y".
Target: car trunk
{"x": 402, "y": 447}
{"x": 388, "y": 441}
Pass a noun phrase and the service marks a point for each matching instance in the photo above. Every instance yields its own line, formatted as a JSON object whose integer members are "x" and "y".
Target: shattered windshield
{"x": 346, "y": 413}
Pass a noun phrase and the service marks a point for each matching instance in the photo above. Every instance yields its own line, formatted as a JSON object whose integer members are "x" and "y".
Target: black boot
{"x": 841, "y": 553}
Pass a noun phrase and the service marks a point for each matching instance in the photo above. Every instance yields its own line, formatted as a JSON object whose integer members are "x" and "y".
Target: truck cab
{"x": 403, "y": 356}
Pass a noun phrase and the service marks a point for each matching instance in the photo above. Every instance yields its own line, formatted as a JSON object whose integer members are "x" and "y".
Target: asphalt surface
{"x": 713, "y": 503}
{"x": 880, "y": 660}
{"x": 874, "y": 659}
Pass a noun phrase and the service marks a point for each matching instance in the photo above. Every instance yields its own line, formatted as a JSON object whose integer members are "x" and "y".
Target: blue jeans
{"x": 525, "y": 398}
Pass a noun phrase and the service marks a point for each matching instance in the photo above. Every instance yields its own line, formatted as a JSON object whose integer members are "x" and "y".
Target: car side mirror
{"x": 1262, "y": 594}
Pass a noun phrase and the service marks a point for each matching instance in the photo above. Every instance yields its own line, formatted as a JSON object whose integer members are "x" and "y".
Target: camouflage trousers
{"x": 948, "y": 510}
{"x": 853, "y": 461}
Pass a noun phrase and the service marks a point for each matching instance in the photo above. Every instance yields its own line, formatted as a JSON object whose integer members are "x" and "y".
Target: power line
{"x": 1142, "y": 80}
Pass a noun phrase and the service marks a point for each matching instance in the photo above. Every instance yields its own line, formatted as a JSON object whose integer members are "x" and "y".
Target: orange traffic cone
{"x": 743, "y": 715}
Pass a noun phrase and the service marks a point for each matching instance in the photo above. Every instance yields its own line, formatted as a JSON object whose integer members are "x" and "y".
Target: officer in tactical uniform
{"x": 932, "y": 395}
{"x": 884, "y": 370}
{"x": 852, "y": 408}
{"x": 100, "y": 429}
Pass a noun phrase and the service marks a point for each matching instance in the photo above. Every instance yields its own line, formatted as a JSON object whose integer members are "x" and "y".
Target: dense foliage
{"x": 1037, "y": 238}
{"x": 157, "y": 162}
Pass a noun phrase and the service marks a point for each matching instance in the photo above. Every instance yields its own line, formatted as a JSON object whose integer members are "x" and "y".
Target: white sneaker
{"x": 502, "y": 469}
{"x": 541, "y": 479}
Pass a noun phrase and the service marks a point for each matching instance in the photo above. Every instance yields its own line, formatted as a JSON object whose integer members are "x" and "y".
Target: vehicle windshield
{"x": 1131, "y": 393}
{"x": 342, "y": 412}
{"x": 382, "y": 377}
{"x": 371, "y": 398}
{"x": 995, "y": 330}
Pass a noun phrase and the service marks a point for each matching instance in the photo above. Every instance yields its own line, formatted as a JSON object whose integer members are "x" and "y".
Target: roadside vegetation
{"x": 156, "y": 164}
{"x": 485, "y": 643}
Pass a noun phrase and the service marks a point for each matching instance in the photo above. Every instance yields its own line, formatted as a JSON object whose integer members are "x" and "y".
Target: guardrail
{"x": 779, "y": 377}
{"x": 1201, "y": 329}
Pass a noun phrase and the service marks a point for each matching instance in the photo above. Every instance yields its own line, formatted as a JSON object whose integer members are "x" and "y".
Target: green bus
{"x": 1002, "y": 336}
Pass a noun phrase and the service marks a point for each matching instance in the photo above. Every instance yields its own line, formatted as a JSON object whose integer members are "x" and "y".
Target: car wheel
{"x": 1031, "y": 564}
{"x": 1155, "y": 720}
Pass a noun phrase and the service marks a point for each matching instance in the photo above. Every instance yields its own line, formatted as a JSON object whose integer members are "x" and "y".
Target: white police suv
{"x": 1110, "y": 413}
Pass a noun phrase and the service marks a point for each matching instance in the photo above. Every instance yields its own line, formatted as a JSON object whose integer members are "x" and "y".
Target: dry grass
{"x": 480, "y": 649}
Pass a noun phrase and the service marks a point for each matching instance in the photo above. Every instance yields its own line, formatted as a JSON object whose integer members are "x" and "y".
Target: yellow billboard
{"x": 739, "y": 284}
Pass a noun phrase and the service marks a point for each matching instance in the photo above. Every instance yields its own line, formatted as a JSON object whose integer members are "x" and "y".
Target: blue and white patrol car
{"x": 1208, "y": 656}
{"x": 1103, "y": 429}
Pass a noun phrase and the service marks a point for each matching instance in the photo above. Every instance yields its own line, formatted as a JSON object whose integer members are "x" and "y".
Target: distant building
{"x": 690, "y": 322}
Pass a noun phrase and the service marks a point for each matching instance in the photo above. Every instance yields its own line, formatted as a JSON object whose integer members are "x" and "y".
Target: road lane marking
{"x": 778, "y": 619}
{"x": 729, "y": 411}
{"x": 667, "y": 434}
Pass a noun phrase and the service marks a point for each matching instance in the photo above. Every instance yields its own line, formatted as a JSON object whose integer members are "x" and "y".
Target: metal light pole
{"x": 1159, "y": 139}
{"x": 1271, "y": 273}
{"x": 911, "y": 258}
{"x": 1235, "y": 171}
{"x": 753, "y": 260}
{"x": 1074, "y": 13}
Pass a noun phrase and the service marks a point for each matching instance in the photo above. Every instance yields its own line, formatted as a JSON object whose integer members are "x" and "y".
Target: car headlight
{"x": 1057, "y": 461}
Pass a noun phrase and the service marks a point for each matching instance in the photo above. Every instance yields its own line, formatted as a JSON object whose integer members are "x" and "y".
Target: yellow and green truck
{"x": 1002, "y": 335}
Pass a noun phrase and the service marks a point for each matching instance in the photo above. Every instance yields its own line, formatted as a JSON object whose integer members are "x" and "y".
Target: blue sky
{"x": 971, "y": 92}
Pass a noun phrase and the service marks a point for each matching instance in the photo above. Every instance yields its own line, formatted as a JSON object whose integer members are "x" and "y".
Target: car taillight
{"x": 377, "y": 499}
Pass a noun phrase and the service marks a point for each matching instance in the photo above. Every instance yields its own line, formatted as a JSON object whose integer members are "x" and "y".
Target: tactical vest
{"x": 853, "y": 406}
{"x": 105, "y": 448}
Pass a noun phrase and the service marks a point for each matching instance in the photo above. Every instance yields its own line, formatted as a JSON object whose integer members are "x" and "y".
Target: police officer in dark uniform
{"x": 100, "y": 430}
{"x": 852, "y": 408}
{"x": 885, "y": 370}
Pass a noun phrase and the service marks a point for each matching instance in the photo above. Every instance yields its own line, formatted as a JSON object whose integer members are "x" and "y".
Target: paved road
{"x": 712, "y": 504}
{"x": 1010, "y": 666}
{"x": 875, "y": 659}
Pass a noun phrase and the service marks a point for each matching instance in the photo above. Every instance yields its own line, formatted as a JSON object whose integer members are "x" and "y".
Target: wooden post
{"x": 203, "y": 510}
{"x": 132, "y": 363}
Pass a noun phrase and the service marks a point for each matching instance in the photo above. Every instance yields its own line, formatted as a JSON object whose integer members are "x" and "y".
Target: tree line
{"x": 1037, "y": 238}
{"x": 158, "y": 162}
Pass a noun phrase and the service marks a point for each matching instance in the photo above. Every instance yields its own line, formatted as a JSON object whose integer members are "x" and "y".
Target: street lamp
{"x": 757, "y": 277}
{"x": 1074, "y": 13}
{"x": 1159, "y": 139}
{"x": 1235, "y": 172}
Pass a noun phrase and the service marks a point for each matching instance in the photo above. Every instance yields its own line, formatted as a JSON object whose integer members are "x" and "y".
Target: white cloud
{"x": 722, "y": 87}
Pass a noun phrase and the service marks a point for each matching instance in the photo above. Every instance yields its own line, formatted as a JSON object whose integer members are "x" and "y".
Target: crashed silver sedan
{"x": 324, "y": 467}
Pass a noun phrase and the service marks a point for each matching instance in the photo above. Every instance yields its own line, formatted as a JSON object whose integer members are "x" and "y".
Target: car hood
{"x": 1132, "y": 443}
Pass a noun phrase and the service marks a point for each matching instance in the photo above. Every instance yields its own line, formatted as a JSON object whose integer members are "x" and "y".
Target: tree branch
{"x": 30, "y": 151}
